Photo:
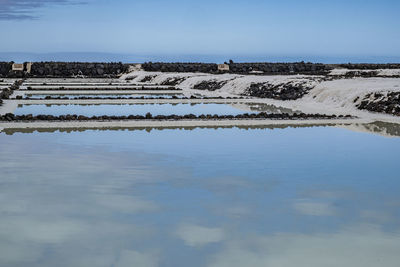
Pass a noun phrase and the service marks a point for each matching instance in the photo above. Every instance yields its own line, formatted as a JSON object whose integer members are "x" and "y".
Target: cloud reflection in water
{"x": 131, "y": 199}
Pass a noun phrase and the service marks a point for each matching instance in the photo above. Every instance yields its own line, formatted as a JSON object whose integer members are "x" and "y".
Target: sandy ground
{"x": 339, "y": 96}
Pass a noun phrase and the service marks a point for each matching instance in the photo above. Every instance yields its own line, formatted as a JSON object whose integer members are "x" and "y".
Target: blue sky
{"x": 252, "y": 29}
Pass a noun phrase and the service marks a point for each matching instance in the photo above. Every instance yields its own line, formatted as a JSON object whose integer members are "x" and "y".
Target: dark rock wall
{"x": 279, "y": 68}
{"x": 70, "y": 69}
{"x": 180, "y": 67}
{"x": 240, "y": 68}
{"x": 65, "y": 69}
{"x": 103, "y": 70}
{"x": 369, "y": 66}
{"x": 5, "y": 68}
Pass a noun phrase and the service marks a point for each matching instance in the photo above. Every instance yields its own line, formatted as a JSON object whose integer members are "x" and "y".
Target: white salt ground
{"x": 328, "y": 97}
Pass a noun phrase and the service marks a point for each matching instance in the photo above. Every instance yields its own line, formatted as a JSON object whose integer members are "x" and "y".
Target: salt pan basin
{"x": 74, "y": 96}
{"x": 142, "y": 109}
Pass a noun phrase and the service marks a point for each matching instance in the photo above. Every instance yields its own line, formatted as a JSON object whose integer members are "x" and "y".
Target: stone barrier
{"x": 5, "y": 68}
{"x": 74, "y": 69}
{"x": 262, "y": 115}
{"x": 351, "y": 66}
{"x": 240, "y": 68}
{"x": 64, "y": 70}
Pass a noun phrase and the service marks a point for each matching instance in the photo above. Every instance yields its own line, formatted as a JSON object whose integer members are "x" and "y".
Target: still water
{"x": 75, "y": 96}
{"x": 142, "y": 109}
{"x": 229, "y": 197}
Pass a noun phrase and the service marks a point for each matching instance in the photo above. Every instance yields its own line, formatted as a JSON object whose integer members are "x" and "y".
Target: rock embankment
{"x": 282, "y": 116}
{"x": 388, "y": 102}
{"x": 285, "y": 91}
{"x": 7, "y": 92}
{"x": 209, "y": 85}
{"x": 174, "y": 81}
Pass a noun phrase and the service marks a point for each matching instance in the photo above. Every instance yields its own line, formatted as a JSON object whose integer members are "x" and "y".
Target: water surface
{"x": 142, "y": 109}
{"x": 75, "y": 96}
{"x": 228, "y": 197}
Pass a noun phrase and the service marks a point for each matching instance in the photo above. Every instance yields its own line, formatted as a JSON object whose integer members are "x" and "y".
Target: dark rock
{"x": 209, "y": 85}
{"x": 287, "y": 91}
{"x": 383, "y": 103}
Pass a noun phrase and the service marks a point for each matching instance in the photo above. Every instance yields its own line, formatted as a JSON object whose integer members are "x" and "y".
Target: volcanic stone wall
{"x": 5, "y": 68}
{"x": 71, "y": 69}
{"x": 240, "y": 68}
{"x": 180, "y": 67}
{"x": 368, "y": 66}
{"x": 64, "y": 69}
{"x": 279, "y": 68}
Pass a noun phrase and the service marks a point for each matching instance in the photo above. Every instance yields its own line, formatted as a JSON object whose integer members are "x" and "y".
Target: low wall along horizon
{"x": 63, "y": 69}
{"x": 113, "y": 70}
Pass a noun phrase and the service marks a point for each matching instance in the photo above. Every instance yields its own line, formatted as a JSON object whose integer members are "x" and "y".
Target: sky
{"x": 206, "y": 30}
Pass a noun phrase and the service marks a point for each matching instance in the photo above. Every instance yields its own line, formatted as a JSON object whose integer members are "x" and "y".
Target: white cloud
{"x": 315, "y": 208}
{"x": 40, "y": 231}
{"x": 195, "y": 235}
{"x": 22, "y": 9}
{"x": 130, "y": 258}
{"x": 11, "y": 253}
{"x": 359, "y": 246}
{"x": 125, "y": 204}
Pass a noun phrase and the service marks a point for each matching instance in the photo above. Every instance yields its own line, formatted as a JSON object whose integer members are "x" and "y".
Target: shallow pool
{"x": 142, "y": 109}
{"x": 229, "y": 197}
{"x": 35, "y": 96}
